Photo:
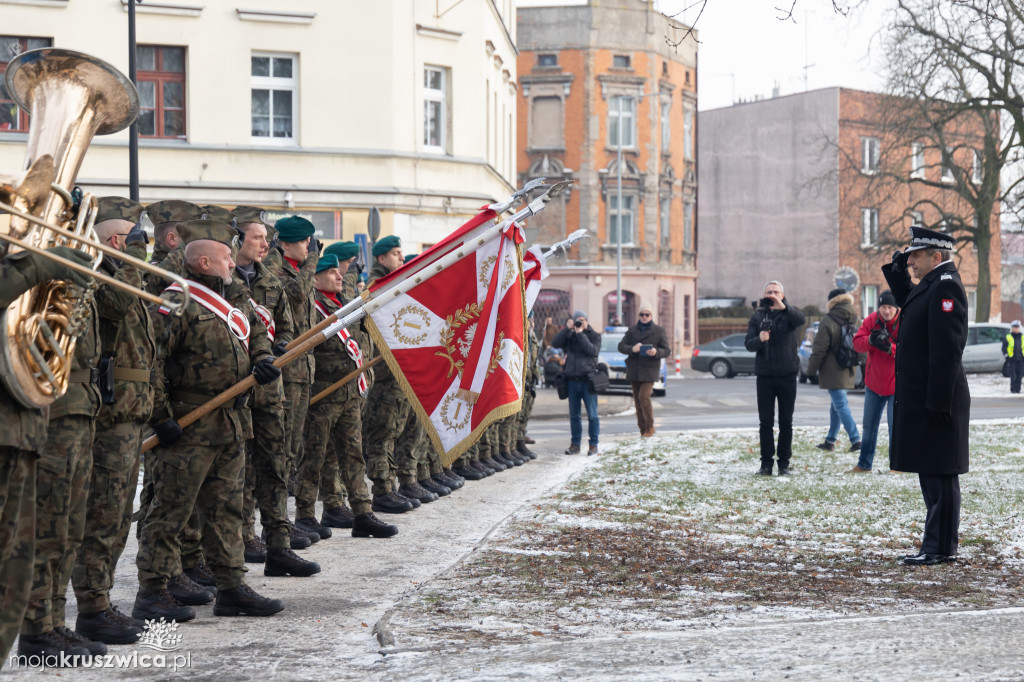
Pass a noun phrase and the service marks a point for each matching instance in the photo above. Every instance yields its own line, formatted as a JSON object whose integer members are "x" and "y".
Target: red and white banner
{"x": 455, "y": 342}
{"x": 535, "y": 270}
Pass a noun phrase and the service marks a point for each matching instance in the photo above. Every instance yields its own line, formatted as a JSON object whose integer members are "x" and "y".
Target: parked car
{"x": 984, "y": 350}
{"x": 804, "y": 353}
{"x": 724, "y": 358}
{"x": 614, "y": 363}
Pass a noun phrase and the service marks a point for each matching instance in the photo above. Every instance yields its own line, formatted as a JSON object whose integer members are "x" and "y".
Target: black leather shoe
{"x": 188, "y": 591}
{"x": 573, "y": 449}
{"x": 454, "y": 477}
{"x": 523, "y": 450}
{"x": 337, "y": 517}
{"x": 855, "y": 447}
{"x": 309, "y": 524}
{"x": 76, "y": 639}
{"x": 826, "y": 446}
{"x": 435, "y": 487}
{"x": 367, "y": 525}
{"x": 447, "y": 481}
{"x": 157, "y": 604}
{"x": 484, "y": 469}
{"x": 282, "y": 562}
{"x": 492, "y": 463}
{"x": 255, "y": 551}
{"x": 110, "y": 626}
{"x": 244, "y": 601}
{"x": 389, "y": 503}
{"x": 414, "y": 491}
{"x": 51, "y": 643}
{"x": 469, "y": 473}
{"x": 201, "y": 574}
{"x": 927, "y": 559}
{"x": 783, "y": 470}
{"x": 765, "y": 470}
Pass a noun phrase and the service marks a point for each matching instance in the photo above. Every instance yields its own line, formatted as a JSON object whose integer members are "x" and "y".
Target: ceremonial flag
{"x": 535, "y": 270}
{"x": 455, "y": 341}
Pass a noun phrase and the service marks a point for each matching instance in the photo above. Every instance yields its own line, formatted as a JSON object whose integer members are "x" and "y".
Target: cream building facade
{"x": 322, "y": 109}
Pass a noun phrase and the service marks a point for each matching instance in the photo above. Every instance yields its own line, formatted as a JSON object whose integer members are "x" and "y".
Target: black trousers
{"x": 1016, "y": 370}
{"x": 942, "y": 522}
{"x": 770, "y": 390}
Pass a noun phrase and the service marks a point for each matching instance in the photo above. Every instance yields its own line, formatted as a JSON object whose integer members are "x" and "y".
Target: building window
{"x": 972, "y": 303}
{"x": 868, "y": 299}
{"x": 688, "y": 134}
{"x": 546, "y": 122}
{"x": 687, "y": 226}
{"x": 687, "y": 320}
{"x": 666, "y": 222}
{"x": 666, "y": 126}
{"x": 976, "y": 166}
{"x": 620, "y": 61}
{"x": 947, "y": 165}
{"x": 435, "y": 108}
{"x": 547, "y": 60}
{"x": 916, "y": 218}
{"x": 627, "y": 125}
{"x": 275, "y": 86}
{"x": 869, "y": 151}
{"x": 869, "y": 226}
{"x": 917, "y": 160}
{"x": 161, "y": 77}
{"x": 620, "y": 222}
{"x": 12, "y": 118}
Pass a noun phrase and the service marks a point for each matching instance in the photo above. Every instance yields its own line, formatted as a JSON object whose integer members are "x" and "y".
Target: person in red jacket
{"x": 877, "y": 338}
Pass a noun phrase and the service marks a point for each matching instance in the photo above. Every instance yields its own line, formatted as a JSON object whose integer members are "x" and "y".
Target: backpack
{"x": 845, "y": 355}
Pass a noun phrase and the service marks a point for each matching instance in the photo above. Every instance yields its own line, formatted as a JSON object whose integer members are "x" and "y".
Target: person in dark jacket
{"x": 582, "y": 345}
{"x": 831, "y": 377}
{"x": 644, "y": 345}
{"x": 772, "y": 335}
{"x": 932, "y": 411}
{"x": 877, "y": 337}
{"x": 1014, "y": 357}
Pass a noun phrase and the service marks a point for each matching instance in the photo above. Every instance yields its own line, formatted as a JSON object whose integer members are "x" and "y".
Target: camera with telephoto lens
{"x": 880, "y": 337}
{"x": 578, "y": 323}
{"x": 765, "y": 305}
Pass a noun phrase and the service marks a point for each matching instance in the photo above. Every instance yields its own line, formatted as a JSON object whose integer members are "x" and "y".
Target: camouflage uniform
{"x": 410, "y": 452}
{"x": 297, "y": 375}
{"x": 21, "y": 441}
{"x": 529, "y": 390}
{"x": 127, "y": 337}
{"x": 62, "y": 485}
{"x": 197, "y": 358}
{"x": 333, "y": 432}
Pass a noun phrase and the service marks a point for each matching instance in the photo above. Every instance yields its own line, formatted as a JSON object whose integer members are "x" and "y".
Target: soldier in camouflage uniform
{"x": 336, "y": 419}
{"x": 129, "y": 348}
{"x": 529, "y": 390}
{"x": 200, "y": 352}
{"x": 166, "y": 216}
{"x": 266, "y": 472}
{"x": 21, "y": 442}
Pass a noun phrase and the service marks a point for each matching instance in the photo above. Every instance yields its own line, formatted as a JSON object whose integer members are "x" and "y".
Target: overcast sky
{"x": 744, "y": 48}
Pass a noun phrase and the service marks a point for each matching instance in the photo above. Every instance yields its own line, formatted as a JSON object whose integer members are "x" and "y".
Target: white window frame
{"x": 688, "y": 215}
{"x": 870, "y": 154}
{"x": 440, "y": 98}
{"x": 868, "y": 299}
{"x": 276, "y": 84}
{"x": 917, "y": 160}
{"x": 665, "y": 222}
{"x": 976, "y": 166}
{"x": 666, "y": 126}
{"x": 947, "y": 171}
{"x": 614, "y": 215}
{"x": 917, "y": 218}
{"x": 688, "y": 133}
{"x": 868, "y": 226}
{"x": 628, "y": 113}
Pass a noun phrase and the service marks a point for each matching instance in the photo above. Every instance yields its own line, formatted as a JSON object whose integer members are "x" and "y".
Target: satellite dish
{"x": 847, "y": 279}
{"x": 373, "y": 224}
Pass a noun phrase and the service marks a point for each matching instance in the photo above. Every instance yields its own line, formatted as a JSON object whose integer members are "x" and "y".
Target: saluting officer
{"x": 931, "y": 413}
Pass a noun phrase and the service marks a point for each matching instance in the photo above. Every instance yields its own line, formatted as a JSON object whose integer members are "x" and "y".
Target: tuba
{"x": 73, "y": 97}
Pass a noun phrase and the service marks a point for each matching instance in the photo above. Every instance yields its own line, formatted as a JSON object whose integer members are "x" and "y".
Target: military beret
{"x": 326, "y": 262}
{"x": 410, "y": 257}
{"x": 118, "y": 208}
{"x": 294, "y": 229}
{"x": 249, "y": 214}
{"x": 386, "y": 244}
{"x": 216, "y": 230}
{"x": 214, "y": 212}
{"x": 343, "y": 250}
{"x": 173, "y": 211}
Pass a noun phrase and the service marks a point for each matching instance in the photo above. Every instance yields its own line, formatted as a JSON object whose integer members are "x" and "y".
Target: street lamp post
{"x": 133, "y": 130}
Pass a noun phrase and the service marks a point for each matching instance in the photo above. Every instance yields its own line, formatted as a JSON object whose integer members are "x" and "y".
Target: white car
{"x": 984, "y": 350}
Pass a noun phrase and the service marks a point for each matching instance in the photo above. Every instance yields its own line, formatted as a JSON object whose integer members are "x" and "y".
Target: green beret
{"x": 294, "y": 229}
{"x": 386, "y": 244}
{"x": 118, "y": 208}
{"x": 326, "y": 262}
{"x": 173, "y": 211}
{"x": 410, "y": 257}
{"x": 249, "y": 214}
{"x": 214, "y": 212}
{"x": 216, "y": 230}
{"x": 343, "y": 250}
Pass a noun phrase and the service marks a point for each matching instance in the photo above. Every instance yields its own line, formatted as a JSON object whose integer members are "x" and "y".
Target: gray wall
{"x": 767, "y": 197}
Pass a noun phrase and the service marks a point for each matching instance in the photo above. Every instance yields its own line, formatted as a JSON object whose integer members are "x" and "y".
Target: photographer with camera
{"x": 772, "y": 334}
{"x": 644, "y": 345}
{"x": 877, "y": 338}
{"x": 582, "y": 345}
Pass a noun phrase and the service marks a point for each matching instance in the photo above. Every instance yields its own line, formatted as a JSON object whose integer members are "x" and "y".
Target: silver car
{"x": 984, "y": 350}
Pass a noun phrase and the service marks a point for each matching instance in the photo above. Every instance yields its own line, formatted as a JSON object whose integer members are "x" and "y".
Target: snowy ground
{"x": 991, "y": 385}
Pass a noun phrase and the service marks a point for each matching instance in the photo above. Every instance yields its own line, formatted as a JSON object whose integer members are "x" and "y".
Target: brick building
{"x": 577, "y": 64}
{"x": 790, "y": 191}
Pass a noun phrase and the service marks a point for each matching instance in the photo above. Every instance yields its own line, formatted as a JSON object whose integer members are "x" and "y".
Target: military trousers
{"x": 508, "y": 432}
{"x": 17, "y": 539}
{"x": 385, "y": 415}
{"x": 296, "y": 404}
{"x": 266, "y": 477}
{"x": 410, "y": 450}
{"x": 62, "y": 491}
{"x": 529, "y": 397}
{"x": 209, "y": 479}
{"x": 334, "y": 441}
{"x": 108, "y": 514}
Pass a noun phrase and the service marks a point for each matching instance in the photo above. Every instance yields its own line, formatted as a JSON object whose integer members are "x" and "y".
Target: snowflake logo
{"x": 160, "y": 635}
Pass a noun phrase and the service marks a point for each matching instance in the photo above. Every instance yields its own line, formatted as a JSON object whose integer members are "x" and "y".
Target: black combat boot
{"x": 523, "y": 450}
{"x": 389, "y": 503}
{"x": 483, "y": 468}
{"x": 51, "y": 643}
{"x": 311, "y": 535}
{"x": 309, "y": 524}
{"x": 451, "y": 475}
{"x": 416, "y": 504}
{"x": 297, "y": 539}
{"x": 491, "y": 463}
{"x": 110, "y": 626}
{"x": 255, "y": 551}
{"x": 433, "y": 486}
{"x": 244, "y": 601}
{"x": 416, "y": 492}
{"x": 281, "y": 562}
{"x": 94, "y": 648}
{"x": 187, "y": 591}
{"x": 448, "y": 482}
{"x": 469, "y": 473}
{"x": 337, "y": 517}
{"x": 154, "y": 604}
{"x": 515, "y": 458}
{"x": 367, "y": 525}
{"x": 202, "y": 574}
